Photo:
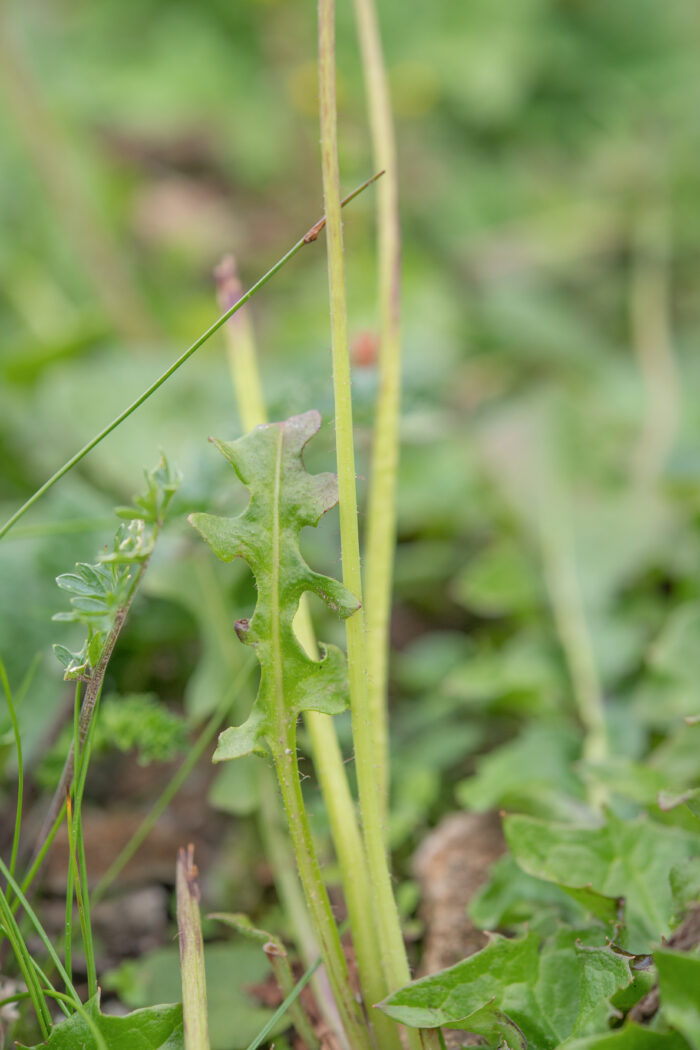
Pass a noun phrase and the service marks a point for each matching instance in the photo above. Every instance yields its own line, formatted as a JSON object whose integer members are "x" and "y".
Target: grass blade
{"x": 308, "y": 237}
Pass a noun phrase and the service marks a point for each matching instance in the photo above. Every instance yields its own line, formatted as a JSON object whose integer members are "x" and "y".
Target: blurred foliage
{"x": 551, "y": 430}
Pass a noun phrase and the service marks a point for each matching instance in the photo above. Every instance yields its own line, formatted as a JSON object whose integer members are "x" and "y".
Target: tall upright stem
{"x": 381, "y": 503}
{"x": 326, "y": 753}
{"x": 652, "y": 338}
{"x": 385, "y": 912}
{"x": 285, "y": 759}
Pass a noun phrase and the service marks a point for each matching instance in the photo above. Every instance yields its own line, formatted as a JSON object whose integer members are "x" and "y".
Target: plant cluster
{"x": 558, "y": 686}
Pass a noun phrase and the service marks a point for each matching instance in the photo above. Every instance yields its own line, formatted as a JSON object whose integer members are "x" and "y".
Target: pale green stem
{"x": 380, "y": 538}
{"x": 564, "y": 589}
{"x": 326, "y": 753}
{"x": 275, "y": 841}
{"x": 194, "y": 981}
{"x": 385, "y": 911}
{"x": 285, "y": 759}
{"x": 284, "y": 1006}
{"x": 650, "y": 314}
{"x": 20, "y": 766}
{"x": 240, "y": 348}
{"x": 283, "y": 748}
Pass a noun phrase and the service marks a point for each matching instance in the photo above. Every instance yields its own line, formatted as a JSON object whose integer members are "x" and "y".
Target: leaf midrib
{"x": 275, "y": 574}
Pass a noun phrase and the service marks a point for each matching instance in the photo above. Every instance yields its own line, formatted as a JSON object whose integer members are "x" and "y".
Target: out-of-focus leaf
{"x": 533, "y": 772}
{"x": 499, "y": 581}
{"x": 679, "y": 980}
{"x": 630, "y": 859}
{"x": 235, "y": 787}
{"x": 511, "y": 897}
{"x": 230, "y": 969}
{"x": 152, "y": 1028}
{"x": 623, "y": 776}
{"x": 689, "y": 798}
{"x": 631, "y": 1037}
{"x": 685, "y": 886}
{"x": 521, "y": 675}
{"x": 549, "y": 992}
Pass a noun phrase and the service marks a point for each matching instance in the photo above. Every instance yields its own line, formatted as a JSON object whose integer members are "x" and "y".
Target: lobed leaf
{"x": 546, "y": 993}
{"x": 98, "y": 591}
{"x": 630, "y": 859}
{"x": 283, "y": 499}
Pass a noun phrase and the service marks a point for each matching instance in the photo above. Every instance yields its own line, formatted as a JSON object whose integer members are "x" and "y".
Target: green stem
{"x": 240, "y": 348}
{"x": 194, "y": 982}
{"x": 386, "y": 916}
{"x": 269, "y": 818}
{"x": 78, "y": 848}
{"x": 39, "y": 859}
{"x": 286, "y": 766}
{"x": 650, "y": 318}
{"x": 24, "y": 962}
{"x": 284, "y": 1007}
{"x": 31, "y": 915}
{"x": 70, "y": 885}
{"x": 281, "y": 858}
{"x": 273, "y": 833}
{"x": 381, "y": 502}
{"x": 20, "y": 766}
{"x": 326, "y": 753}
{"x": 308, "y": 238}
{"x": 279, "y": 962}
{"x": 92, "y": 693}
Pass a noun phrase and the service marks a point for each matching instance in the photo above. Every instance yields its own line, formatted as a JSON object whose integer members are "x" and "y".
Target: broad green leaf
{"x": 284, "y": 499}
{"x": 679, "y": 984}
{"x": 153, "y": 1028}
{"x": 631, "y": 1037}
{"x": 617, "y": 859}
{"x": 550, "y": 992}
{"x": 456, "y": 994}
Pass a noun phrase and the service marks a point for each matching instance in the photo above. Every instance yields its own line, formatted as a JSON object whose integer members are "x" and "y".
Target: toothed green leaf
{"x": 283, "y": 499}
{"x": 525, "y": 993}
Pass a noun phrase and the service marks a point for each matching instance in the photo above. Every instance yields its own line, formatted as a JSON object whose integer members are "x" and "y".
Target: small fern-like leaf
{"x": 283, "y": 499}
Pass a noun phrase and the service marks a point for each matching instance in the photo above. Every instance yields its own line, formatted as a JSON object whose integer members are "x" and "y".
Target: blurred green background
{"x": 549, "y": 496}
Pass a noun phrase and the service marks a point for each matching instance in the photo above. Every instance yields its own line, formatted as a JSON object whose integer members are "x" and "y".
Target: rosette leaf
{"x": 284, "y": 498}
